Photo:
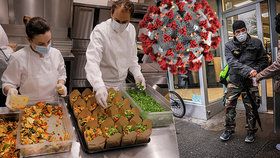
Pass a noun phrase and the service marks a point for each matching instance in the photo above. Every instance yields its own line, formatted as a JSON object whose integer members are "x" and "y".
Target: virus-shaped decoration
{"x": 177, "y": 33}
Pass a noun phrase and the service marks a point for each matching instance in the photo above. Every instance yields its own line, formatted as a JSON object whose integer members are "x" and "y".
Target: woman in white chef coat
{"x": 112, "y": 52}
{"x": 37, "y": 70}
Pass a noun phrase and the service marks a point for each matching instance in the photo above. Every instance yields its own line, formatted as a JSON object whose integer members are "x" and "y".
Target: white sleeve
{"x": 3, "y": 37}
{"x": 12, "y": 74}
{"x": 61, "y": 68}
{"x": 94, "y": 57}
{"x": 134, "y": 68}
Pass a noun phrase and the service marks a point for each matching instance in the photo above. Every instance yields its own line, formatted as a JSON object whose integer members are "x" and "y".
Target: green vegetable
{"x": 6, "y": 146}
{"x": 129, "y": 129}
{"x": 128, "y": 114}
{"x": 146, "y": 102}
{"x": 141, "y": 128}
{"x": 119, "y": 104}
{"x": 101, "y": 118}
{"x": 112, "y": 131}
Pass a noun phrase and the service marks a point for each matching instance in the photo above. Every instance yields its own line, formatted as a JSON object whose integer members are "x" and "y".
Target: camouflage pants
{"x": 233, "y": 92}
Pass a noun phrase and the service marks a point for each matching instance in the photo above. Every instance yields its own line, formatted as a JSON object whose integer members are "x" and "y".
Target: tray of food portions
{"x": 44, "y": 128}
{"x": 121, "y": 125}
{"x": 8, "y": 133}
{"x": 151, "y": 103}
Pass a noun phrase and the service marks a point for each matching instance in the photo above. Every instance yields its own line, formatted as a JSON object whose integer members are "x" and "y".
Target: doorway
{"x": 255, "y": 15}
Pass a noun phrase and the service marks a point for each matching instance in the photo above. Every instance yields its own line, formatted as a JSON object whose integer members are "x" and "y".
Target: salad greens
{"x": 146, "y": 102}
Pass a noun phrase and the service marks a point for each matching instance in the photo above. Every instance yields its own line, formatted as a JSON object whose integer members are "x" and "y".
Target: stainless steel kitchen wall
{"x": 4, "y": 12}
{"x": 58, "y": 13}
{"x": 82, "y": 22}
{"x": 25, "y": 7}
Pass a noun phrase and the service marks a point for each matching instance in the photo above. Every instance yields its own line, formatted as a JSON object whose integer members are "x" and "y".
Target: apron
{"x": 40, "y": 84}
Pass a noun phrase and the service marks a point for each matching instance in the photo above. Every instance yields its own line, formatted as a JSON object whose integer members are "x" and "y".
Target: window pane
{"x": 231, "y": 4}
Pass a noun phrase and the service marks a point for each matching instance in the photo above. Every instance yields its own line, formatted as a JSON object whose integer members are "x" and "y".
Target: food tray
{"x": 159, "y": 119}
{"x": 7, "y": 115}
{"x": 83, "y": 141}
{"x": 49, "y": 147}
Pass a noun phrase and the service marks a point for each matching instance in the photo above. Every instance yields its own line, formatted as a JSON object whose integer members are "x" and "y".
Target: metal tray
{"x": 8, "y": 115}
{"x": 83, "y": 141}
{"x": 159, "y": 119}
{"x": 49, "y": 147}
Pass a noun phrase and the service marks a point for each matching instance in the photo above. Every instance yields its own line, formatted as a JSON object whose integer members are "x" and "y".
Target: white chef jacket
{"x": 3, "y": 37}
{"x": 36, "y": 77}
{"x": 5, "y": 52}
{"x": 110, "y": 55}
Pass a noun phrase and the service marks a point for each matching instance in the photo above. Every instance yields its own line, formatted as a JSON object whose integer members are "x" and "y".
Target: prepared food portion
{"x": 8, "y": 139}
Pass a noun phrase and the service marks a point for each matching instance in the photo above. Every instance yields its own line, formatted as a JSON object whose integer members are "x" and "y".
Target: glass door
{"x": 251, "y": 15}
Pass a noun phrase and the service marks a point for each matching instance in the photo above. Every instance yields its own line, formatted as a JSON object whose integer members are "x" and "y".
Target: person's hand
{"x": 11, "y": 92}
{"x": 101, "y": 97}
{"x": 253, "y": 73}
{"x": 140, "y": 80}
{"x": 61, "y": 89}
{"x": 258, "y": 77}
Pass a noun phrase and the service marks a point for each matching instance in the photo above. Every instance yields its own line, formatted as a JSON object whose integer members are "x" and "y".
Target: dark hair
{"x": 238, "y": 24}
{"x": 129, "y": 6}
{"x": 35, "y": 26}
{"x": 277, "y": 23}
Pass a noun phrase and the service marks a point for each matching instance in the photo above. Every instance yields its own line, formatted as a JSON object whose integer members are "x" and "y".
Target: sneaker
{"x": 278, "y": 146}
{"x": 226, "y": 135}
{"x": 250, "y": 138}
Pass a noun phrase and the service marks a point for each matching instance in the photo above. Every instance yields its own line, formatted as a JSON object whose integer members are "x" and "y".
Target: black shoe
{"x": 226, "y": 135}
{"x": 250, "y": 138}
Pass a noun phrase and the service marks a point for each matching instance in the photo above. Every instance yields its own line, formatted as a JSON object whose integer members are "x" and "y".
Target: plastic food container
{"x": 160, "y": 119}
{"x": 48, "y": 147}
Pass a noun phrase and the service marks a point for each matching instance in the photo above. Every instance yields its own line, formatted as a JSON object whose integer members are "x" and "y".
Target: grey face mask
{"x": 242, "y": 37}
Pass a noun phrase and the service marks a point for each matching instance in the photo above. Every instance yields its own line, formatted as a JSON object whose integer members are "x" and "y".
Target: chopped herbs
{"x": 146, "y": 102}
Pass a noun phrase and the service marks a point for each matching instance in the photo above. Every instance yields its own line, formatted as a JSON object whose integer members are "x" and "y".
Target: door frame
{"x": 243, "y": 9}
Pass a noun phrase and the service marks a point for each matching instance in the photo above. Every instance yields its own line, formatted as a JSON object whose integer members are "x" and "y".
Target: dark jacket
{"x": 243, "y": 58}
{"x": 272, "y": 71}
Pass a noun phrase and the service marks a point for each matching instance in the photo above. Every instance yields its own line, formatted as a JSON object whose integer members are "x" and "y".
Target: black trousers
{"x": 2, "y": 99}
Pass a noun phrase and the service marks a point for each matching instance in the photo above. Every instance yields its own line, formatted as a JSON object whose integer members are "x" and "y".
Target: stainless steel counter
{"x": 163, "y": 144}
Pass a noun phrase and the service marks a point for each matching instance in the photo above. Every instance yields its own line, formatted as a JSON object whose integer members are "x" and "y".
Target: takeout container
{"x": 48, "y": 147}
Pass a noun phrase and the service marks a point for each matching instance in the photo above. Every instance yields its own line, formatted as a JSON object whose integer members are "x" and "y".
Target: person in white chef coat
{"x": 112, "y": 52}
{"x": 38, "y": 70}
{"x": 6, "y": 49}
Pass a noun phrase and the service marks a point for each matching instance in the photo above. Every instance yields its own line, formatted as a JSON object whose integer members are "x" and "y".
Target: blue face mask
{"x": 42, "y": 49}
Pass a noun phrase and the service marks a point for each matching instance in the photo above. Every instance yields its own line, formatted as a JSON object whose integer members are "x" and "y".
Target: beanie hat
{"x": 238, "y": 24}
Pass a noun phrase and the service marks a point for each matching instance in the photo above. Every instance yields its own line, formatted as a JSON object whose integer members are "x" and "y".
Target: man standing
{"x": 112, "y": 52}
{"x": 246, "y": 57}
